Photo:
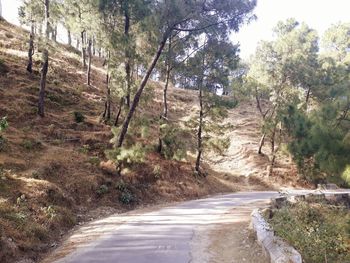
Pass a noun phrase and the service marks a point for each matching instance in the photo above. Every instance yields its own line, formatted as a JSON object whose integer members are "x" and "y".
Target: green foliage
{"x": 127, "y": 198}
{"x": 174, "y": 145}
{"x": 131, "y": 155}
{"x": 317, "y": 143}
{"x": 121, "y": 185}
{"x": 78, "y": 117}
{"x": 102, "y": 190}
{"x": 346, "y": 175}
{"x": 319, "y": 232}
{"x": 157, "y": 171}
{"x": 3, "y": 126}
{"x": 94, "y": 160}
{"x": 50, "y": 212}
{"x": 31, "y": 144}
{"x": 85, "y": 149}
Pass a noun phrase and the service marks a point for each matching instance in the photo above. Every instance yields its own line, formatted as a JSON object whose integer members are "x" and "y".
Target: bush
{"x": 31, "y": 144}
{"x": 103, "y": 189}
{"x": 122, "y": 155}
{"x": 3, "y": 126}
{"x": 126, "y": 197}
{"x": 78, "y": 117}
{"x": 95, "y": 161}
{"x": 320, "y": 232}
{"x": 174, "y": 146}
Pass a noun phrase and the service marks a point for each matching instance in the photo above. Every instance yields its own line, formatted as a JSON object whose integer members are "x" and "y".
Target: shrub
{"x": 31, "y": 144}
{"x": 126, "y": 197}
{"x": 3, "y": 126}
{"x": 85, "y": 149}
{"x": 78, "y": 117}
{"x": 94, "y": 160}
{"x": 320, "y": 232}
{"x": 157, "y": 171}
{"x": 174, "y": 146}
{"x": 121, "y": 186}
{"x": 103, "y": 189}
{"x": 132, "y": 155}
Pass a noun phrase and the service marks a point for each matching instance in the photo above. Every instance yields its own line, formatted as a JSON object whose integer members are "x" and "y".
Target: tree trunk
{"x": 127, "y": 53}
{"x": 307, "y": 98}
{"x": 89, "y": 63}
{"x": 0, "y": 10}
{"x": 45, "y": 67}
{"x": 93, "y": 46}
{"x": 119, "y": 112}
{"x": 165, "y": 97}
{"x": 199, "y": 135}
{"x": 107, "y": 111}
{"x": 258, "y": 105}
{"x": 31, "y": 49}
{"x": 54, "y": 33}
{"x": 69, "y": 35}
{"x": 138, "y": 94}
{"x": 83, "y": 50}
{"x": 77, "y": 44}
{"x": 167, "y": 78}
{"x": 273, "y": 151}
{"x": 261, "y": 143}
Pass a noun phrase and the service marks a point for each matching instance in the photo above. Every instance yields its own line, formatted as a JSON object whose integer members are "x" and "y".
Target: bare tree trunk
{"x": 127, "y": 53}
{"x": 165, "y": 97}
{"x": 93, "y": 46}
{"x": 199, "y": 135}
{"x": 307, "y": 97}
{"x": 119, "y": 112}
{"x": 31, "y": 49}
{"x": 0, "y": 10}
{"x": 54, "y": 33}
{"x": 107, "y": 111}
{"x": 273, "y": 151}
{"x": 45, "y": 67}
{"x": 138, "y": 94}
{"x": 261, "y": 143}
{"x": 89, "y": 63}
{"x": 83, "y": 50}
{"x": 77, "y": 44}
{"x": 258, "y": 105}
{"x": 69, "y": 36}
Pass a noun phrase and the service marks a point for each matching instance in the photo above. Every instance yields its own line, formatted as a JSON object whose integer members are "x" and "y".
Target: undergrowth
{"x": 320, "y": 232}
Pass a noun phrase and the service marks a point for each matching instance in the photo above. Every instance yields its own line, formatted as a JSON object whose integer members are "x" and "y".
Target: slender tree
{"x": 89, "y": 53}
{"x": 189, "y": 17}
{"x": 45, "y": 61}
{"x": 31, "y": 49}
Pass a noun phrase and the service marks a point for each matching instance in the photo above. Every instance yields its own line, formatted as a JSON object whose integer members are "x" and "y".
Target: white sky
{"x": 318, "y": 14}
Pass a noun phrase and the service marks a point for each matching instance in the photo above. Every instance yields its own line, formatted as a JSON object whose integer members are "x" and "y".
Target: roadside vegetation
{"x": 319, "y": 231}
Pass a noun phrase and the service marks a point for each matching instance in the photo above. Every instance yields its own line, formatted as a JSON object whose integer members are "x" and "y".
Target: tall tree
{"x": 279, "y": 70}
{"x": 188, "y": 17}
{"x": 208, "y": 69}
{"x": 45, "y": 61}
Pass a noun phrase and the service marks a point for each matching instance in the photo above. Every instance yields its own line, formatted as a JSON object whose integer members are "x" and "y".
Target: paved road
{"x": 165, "y": 235}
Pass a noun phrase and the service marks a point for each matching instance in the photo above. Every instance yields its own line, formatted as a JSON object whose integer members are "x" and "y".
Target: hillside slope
{"x": 53, "y": 171}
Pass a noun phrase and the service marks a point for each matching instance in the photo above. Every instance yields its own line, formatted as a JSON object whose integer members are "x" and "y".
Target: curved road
{"x": 166, "y": 235}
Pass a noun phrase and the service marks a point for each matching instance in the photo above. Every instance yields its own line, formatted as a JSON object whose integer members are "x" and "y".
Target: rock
{"x": 274, "y": 247}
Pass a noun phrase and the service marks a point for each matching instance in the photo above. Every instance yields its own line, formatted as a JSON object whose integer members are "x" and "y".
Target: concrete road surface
{"x": 166, "y": 235}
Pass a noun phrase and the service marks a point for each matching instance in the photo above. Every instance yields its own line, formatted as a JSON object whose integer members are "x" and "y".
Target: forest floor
{"x": 54, "y": 174}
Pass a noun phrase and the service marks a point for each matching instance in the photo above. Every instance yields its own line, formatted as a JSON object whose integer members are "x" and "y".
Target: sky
{"x": 318, "y": 14}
